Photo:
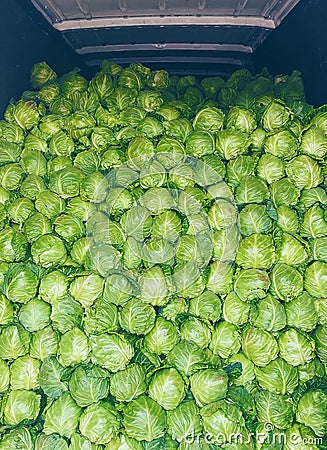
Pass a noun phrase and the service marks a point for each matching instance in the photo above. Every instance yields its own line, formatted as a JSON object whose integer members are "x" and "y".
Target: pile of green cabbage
{"x": 163, "y": 263}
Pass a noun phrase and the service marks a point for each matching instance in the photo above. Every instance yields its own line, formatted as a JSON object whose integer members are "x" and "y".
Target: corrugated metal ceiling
{"x": 219, "y": 32}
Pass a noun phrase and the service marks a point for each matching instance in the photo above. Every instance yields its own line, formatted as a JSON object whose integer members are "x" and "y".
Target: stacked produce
{"x": 163, "y": 263}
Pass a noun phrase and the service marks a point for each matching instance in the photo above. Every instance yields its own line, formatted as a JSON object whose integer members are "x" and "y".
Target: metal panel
{"x": 135, "y": 27}
{"x": 240, "y": 7}
{"x": 202, "y": 4}
{"x": 69, "y": 11}
{"x": 164, "y": 46}
{"x": 50, "y": 10}
{"x": 220, "y": 35}
{"x": 84, "y": 7}
{"x": 179, "y": 20}
{"x": 173, "y": 59}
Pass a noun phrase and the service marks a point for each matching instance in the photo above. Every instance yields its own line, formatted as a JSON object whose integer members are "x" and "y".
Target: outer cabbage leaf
{"x": 128, "y": 383}
{"x": 286, "y": 282}
{"x": 254, "y": 340}
{"x": 144, "y": 419}
{"x": 273, "y": 408}
{"x": 312, "y": 411}
{"x": 231, "y": 143}
{"x": 209, "y": 385}
{"x": 111, "y": 351}
{"x": 167, "y": 388}
{"x": 304, "y": 172}
{"x": 256, "y": 252}
{"x": 62, "y": 416}
{"x": 268, "y": 314}
{"x": 295, "y": 347}
{"x": 21, "y": 405}
{"x": 99, "y": 422}
{"x": 184, "y": 421}
{"x": 278, "y": 377}
{"x": 251, "y": 284}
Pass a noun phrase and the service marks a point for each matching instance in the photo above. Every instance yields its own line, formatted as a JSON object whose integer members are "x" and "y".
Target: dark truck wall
{"x": 26, "y": 38}
{"x": 300, "y": 42}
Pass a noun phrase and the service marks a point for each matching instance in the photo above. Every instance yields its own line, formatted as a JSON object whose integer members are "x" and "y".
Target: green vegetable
{"x": 209, "y": 385}
{"x": 62, "y": 416}
{"x": 99, "y": 423}
{"x": 311, "y": 411}
{"x": 163, "y": 263}
{"x": 21, "y": 405}
{"x": 278, "y": 377}
{"x": 167, "y": 388}
{"x": 254, "y": 340}
{"x": 144, "y": 419}
{"x": 274, "y": 409}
